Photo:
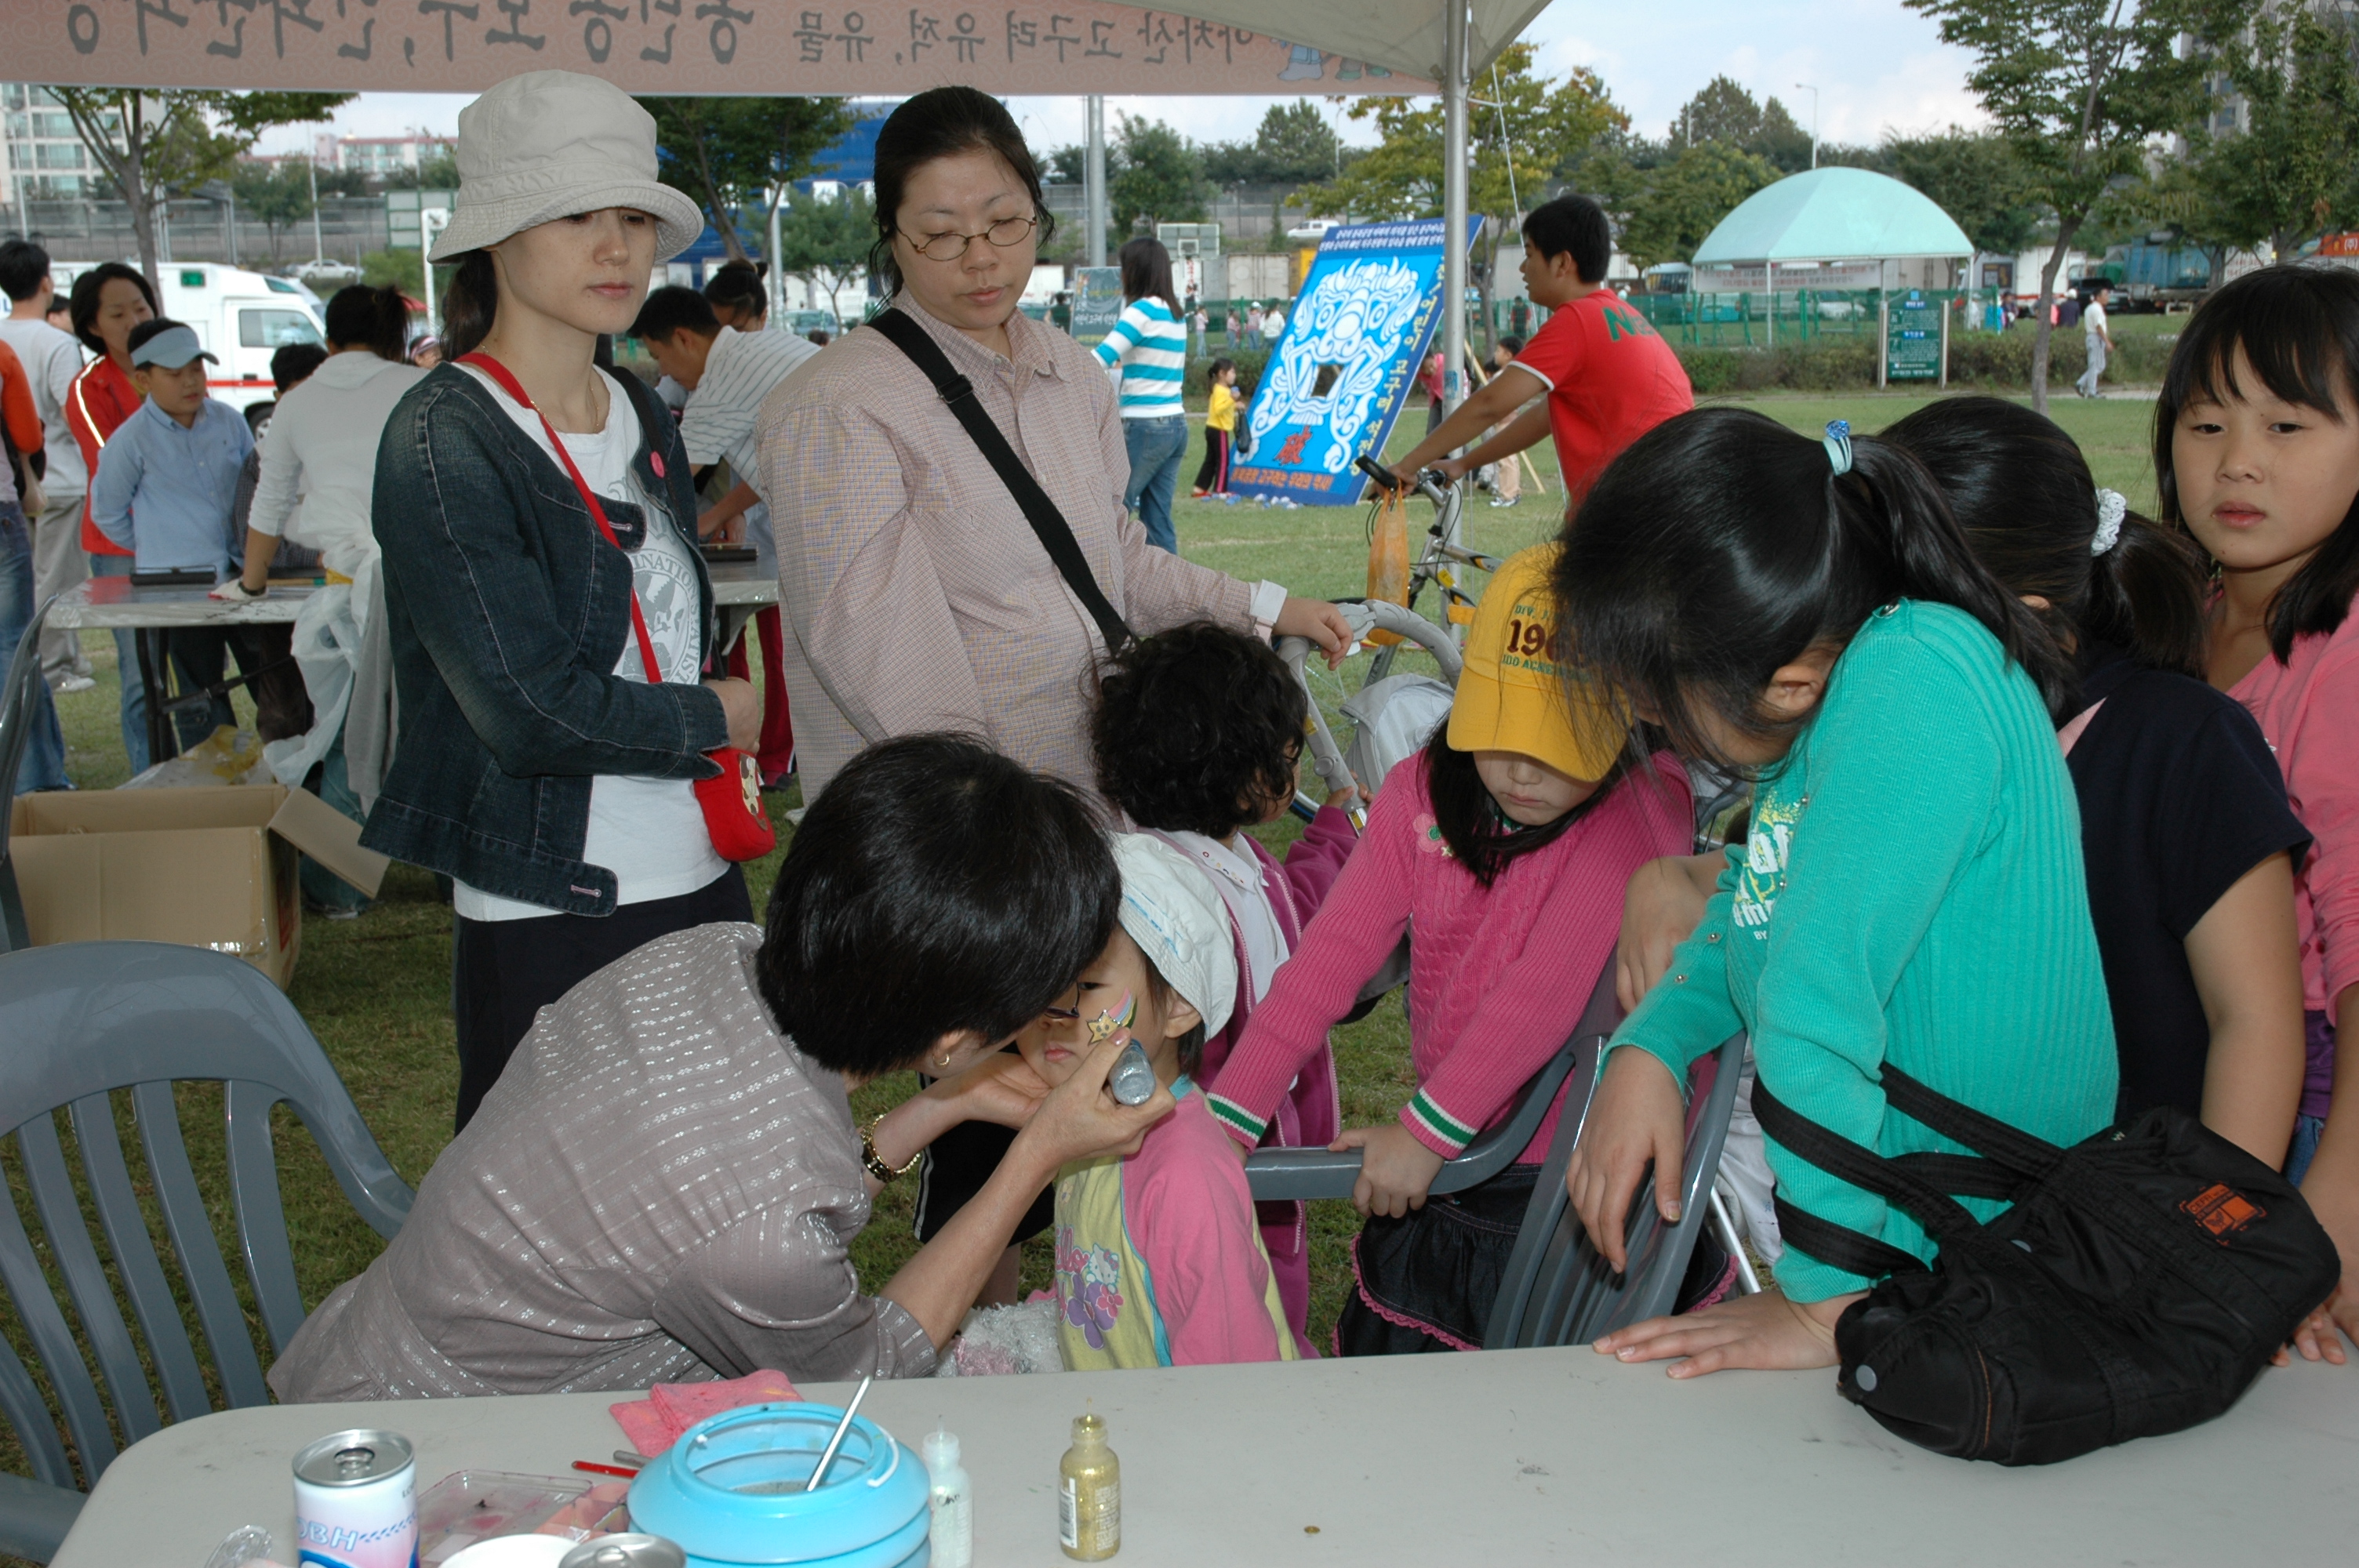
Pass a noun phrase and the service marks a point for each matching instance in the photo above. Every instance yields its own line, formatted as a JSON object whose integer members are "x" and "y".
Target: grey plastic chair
{"x": 1559, "y": 1288}
{"x": 78, "y": 1021}
{"x": 16, "y": 702}
{"x": 1284, "y": 1174}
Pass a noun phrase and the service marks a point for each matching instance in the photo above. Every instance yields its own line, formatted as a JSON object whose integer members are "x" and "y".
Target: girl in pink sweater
{"x": 1506, "y": 846}
{"x": 2257, "y": 452}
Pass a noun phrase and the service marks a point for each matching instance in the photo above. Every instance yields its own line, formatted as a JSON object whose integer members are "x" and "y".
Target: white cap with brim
{"x": 1171, "y": 911}
{"x": 553, "y": 144}
{"x": 171, "y": 349}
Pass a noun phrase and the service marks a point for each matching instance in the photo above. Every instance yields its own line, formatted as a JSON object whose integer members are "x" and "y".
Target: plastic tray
{"x": 477, "y": 1505}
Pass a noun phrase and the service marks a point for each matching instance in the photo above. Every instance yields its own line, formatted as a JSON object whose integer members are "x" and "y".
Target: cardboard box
{"x": 206, "y": 868}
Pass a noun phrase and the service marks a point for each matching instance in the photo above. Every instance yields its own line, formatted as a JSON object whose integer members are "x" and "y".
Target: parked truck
{"x": 2153, "y": 274}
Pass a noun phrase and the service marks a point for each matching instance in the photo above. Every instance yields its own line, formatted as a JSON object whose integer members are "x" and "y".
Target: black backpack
{"x": 2141, "y": 1280}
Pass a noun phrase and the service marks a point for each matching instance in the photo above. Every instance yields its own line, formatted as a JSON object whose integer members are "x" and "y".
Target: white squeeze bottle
{"x": 953, "y": 1502}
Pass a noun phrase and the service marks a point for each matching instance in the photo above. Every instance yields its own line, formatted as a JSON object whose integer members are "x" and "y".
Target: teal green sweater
{"x": 1911, "y": 891}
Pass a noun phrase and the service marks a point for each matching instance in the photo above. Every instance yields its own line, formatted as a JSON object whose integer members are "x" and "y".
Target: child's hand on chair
{"x": 1396, "y": 1172}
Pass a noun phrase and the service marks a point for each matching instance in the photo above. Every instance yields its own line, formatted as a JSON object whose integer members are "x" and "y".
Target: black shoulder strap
{"x": 1892, "y": 1180}
{"x": 1055, "y": 533}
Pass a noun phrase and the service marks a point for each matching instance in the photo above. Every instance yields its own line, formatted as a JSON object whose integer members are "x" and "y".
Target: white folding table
{"x": 1440, "y": 1461}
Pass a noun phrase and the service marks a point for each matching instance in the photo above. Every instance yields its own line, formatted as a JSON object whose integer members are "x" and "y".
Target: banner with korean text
{"x": 820, "y": 48}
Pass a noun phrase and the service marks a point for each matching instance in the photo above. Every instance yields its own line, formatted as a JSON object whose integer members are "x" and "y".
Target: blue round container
{"x": 730, "y": 1492}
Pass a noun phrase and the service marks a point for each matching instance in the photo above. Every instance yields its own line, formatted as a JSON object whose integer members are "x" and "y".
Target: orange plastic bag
{"x": 1389, "y": 559}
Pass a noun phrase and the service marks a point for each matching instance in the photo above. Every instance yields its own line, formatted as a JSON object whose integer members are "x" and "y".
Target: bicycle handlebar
{"x": 1429, "y": 483}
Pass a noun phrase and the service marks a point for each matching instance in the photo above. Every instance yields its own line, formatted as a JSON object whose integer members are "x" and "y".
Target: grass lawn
{"x": 377, "y": 990}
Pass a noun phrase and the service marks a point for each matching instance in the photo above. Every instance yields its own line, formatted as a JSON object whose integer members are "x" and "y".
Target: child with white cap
{"x": 1159, "y": 1262}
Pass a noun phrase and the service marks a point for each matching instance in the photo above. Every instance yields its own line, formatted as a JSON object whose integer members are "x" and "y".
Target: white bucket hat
{"x": 550, "y": 144}
{"x": 1170, "y": 910}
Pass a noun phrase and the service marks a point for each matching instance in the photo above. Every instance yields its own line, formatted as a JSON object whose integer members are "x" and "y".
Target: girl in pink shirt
{"x": 1159, "y": 1261}
{"x": 1505, "y": 845}
{"x": 2257, "y": 453}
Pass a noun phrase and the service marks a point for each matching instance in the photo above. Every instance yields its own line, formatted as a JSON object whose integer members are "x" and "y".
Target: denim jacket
{"x": 506, "y": 611}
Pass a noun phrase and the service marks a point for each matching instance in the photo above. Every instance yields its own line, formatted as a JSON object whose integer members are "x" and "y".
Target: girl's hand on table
{"x": 1395, "y": 1171}
{"x": 2317, "y": 1339}
{"x": 1765, "y": 1331}
{"x": 1638, "y": 1115}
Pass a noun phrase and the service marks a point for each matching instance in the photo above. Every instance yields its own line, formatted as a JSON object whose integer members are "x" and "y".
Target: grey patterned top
{"x": 660, "y": 1188}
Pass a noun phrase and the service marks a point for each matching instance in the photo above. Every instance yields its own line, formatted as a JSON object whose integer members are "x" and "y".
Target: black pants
{"x": 505, "y": 971}
{"x": 201, "y": 658}
{"x": 1213, "y": 477}
{"x": 957, "y": 1165}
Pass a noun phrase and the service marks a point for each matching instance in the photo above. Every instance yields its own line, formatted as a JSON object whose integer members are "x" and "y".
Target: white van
{"x": 242, "y": 318}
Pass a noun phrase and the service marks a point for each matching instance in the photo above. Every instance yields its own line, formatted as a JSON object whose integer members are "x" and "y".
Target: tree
{"x": 1154, "y": 175}
{"x": 1530, "y": 127}
{"x": 1294, "y": 146}
{"x": 1726, "y": 112}
{"x": 731, "y": 154}
{"x": 824, "y": 240}
{"x": 2286, "y": 173}
{"x": 278, "y": 194}
{"x": 152, "y": 145}
{"x": 438, "y": 170}
{"x": 1679, "y": 203}
{"x": 1973, "y": 177}
{"x": 2077, "y": 89}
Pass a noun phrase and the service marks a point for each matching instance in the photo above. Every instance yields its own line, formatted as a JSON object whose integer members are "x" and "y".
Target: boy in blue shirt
{"x": 165, "y": 489}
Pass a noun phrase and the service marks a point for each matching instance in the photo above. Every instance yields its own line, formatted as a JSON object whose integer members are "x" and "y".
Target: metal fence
{"x": 198, "y": 230}
{"x": 1763, "y": 320}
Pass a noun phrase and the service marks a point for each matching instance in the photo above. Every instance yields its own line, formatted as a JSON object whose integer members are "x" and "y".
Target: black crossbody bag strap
{"x": 1902, "y": 1181}
{"x": 1055, "y": 533}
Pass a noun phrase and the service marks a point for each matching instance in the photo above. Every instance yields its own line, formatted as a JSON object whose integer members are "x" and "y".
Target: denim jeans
{"x": 1156, "y": 447}
{"x": 44, "y": 766}
{"x": 323, "y": 890}
{"x": 127, "y": 661}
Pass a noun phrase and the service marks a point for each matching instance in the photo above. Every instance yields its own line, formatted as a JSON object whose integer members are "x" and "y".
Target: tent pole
{"x": 1453, "y": 207}
{"x": 1093, "y": 186}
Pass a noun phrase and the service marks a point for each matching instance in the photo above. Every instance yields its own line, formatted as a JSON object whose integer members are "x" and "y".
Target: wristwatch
{"x": 875, "y": 1163}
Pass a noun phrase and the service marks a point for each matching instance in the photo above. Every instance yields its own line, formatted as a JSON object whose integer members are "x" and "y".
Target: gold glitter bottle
{"x": 1088, "y": 1497}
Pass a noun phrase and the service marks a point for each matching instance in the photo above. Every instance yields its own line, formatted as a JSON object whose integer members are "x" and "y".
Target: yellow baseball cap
{"x": 1517, "y": 693}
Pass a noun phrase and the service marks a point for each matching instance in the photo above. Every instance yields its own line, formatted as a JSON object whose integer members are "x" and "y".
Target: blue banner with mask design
{"x": 1339, "y": 377}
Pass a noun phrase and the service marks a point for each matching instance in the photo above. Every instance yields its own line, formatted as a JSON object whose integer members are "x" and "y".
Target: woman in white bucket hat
{"x": 538, "y": 766}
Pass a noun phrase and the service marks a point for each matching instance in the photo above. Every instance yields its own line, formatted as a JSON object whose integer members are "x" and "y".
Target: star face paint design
{"x": 1118, "y": 1017}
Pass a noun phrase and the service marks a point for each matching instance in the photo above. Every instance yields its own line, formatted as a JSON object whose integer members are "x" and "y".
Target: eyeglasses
{"x": 949, "y": 247}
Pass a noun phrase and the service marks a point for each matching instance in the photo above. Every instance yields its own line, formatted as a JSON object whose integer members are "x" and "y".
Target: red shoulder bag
{"x": 731, "y": 798}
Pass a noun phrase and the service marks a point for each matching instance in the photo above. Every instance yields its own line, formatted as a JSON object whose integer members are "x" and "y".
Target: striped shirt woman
{"x": 1151, "y": 346}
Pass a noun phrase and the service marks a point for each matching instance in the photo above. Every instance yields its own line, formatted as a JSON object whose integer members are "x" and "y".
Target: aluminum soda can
{"x": 356, "y": 1501}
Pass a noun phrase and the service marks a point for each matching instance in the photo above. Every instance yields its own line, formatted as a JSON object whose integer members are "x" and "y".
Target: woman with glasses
{"x": 918, "y": 596}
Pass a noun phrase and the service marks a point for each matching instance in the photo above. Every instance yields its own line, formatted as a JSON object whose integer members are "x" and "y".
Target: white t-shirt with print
{"x": 649, "y": 832}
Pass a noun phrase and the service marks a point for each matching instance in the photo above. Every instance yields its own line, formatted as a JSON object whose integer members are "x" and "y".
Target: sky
{"x": 1877, "y": 66}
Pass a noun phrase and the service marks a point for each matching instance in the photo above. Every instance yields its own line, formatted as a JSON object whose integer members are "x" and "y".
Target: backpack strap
{"x": 1994, "y": 1139}
{"x": 1049, "y": 524}
{"x": 1895, "y": 1181}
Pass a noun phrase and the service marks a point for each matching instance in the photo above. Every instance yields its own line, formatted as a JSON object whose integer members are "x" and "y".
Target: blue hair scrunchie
{"x": 1837, "y": 445}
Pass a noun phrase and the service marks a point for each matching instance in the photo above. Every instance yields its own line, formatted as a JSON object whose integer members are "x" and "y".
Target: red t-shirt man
{"x": 1608, "y": 376}
{"x": 1610, "y": 379}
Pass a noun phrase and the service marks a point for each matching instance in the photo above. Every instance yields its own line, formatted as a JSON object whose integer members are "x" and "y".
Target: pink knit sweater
{"x": 1499, "y": 977}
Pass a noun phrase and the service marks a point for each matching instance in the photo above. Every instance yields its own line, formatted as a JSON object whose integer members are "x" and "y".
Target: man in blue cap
{"x": 164, "y": 488}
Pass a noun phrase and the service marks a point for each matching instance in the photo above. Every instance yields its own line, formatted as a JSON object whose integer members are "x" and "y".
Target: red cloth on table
{"x": 654, "y": 1423}
{"x": 775, "y": 756}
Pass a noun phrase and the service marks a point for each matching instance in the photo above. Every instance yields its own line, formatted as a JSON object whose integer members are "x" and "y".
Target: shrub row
{"x": 1998, "y": 361}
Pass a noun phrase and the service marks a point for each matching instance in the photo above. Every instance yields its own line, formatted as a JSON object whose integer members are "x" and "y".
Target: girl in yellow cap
{"x": 1505, "y": 843}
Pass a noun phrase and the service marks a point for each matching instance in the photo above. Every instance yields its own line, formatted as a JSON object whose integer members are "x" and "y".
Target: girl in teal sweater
{"x": 1910, "y": 889}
